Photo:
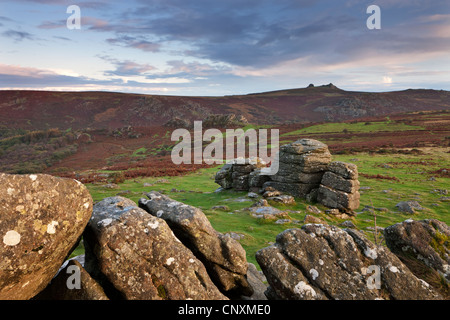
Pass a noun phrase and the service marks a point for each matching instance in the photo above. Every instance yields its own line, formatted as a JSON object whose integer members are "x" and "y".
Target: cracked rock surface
{"x": 223, "y": 257}
{"x": 135, "y": 255}
{"x": 321, "y": 262}
{"x": 41, "y": 220}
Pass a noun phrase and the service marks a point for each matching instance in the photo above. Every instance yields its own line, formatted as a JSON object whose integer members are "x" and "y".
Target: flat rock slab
{"x": 409, "y": 206}
{"x": 41, "y": 220}
{"x": 302, "y": 146}
{"x": 265, "y": 210}
{"x": 341, "y": 200}
{"x": 343, "y": 169}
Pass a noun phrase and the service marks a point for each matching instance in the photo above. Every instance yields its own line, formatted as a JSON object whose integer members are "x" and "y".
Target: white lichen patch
{"x": 170, "y": 261}
{"x": 371, "y": 253}
{"x": 86, "y": 205}
{"x": 105, "y": 222}
{"x": 424, "y": 283}
{"x": 10, "y": 191}
{"x": 153, "y": 225}
{"x": 51, "y": 227}
{"x": 173, "y": 204}
{"x": 446, "y": 268}
{"x": 302, "y": 289}
{"x": 321, "y": 262}
{"x": 11, "y": 238}
{"x": 33, "y": 177}
{"x": 154, "y": 197}
{"x": 314, "y": 273}
{"x": 393, "y": 269}
{"x": 159, "y": 213}
{"x": 191, "y": 260}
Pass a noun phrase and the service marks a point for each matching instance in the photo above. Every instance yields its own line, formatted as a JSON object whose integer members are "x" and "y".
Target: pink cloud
{"x": 16, "y": 70}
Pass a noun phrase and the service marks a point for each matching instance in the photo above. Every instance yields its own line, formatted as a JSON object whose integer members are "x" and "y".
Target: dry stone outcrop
{"x": 223, "y": 257}
{"x": 321, "y": 262}
{"x": 339, "y": 187}
{"x": 305, "y": 170}
{"x": 301, "y": 167}
{"x": 135, "y": 255}
{"x": 241, "y": 174}
{"x": 41, "y": 220}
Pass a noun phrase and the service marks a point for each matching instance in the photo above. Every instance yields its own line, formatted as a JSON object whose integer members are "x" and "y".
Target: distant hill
{"x": 39, "y": 110}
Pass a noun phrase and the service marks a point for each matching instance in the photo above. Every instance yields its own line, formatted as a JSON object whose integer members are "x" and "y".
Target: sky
{"x": 226, "y": 47}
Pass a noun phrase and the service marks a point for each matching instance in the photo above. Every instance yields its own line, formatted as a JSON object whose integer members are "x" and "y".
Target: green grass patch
{"x": 139, "y": 152}
{"x": 356, "y": 127}
{"x": 385, "y": 181}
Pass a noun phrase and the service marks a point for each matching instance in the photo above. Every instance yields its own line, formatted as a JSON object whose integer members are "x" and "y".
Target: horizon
{"x": 211, "y": 49}
{"x": 211, "y": 96}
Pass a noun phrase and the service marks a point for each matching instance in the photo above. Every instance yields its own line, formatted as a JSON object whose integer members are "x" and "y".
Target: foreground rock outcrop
{"x": 224, "y": 257}
{"x": 320, "y": 262}
{"x": 135, "y": 255}
{"x": 41, "y": 220}
{"x": 169, "y": 250}
{"x": 84, "y": 288}
{"x": 424, "y": 246}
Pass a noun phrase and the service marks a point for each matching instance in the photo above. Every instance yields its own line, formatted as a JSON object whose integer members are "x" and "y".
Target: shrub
{"x": 117, "y": 177}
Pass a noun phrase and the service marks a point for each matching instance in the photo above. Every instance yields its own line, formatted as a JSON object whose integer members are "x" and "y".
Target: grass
{"x": 355, "y": 127}
{"x": 415, "y": 181}
{"x": 139, "y": 152}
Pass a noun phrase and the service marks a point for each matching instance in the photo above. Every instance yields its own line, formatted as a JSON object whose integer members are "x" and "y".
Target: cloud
{"x": 195, "y": 68}
{"x": 435, "y": 18}
{"x": 127, "y": 67}
{"x": 238, "y": 42}
{"x": 62, "y": 38}
{"x": 133, "y": 42}
{"x": 85, "y": 4}
{"x": 19, "y": 76}
{"x": 18, "y": 35}
{"x": 14, "y": 70}
{"x": 86, "y": 22}
{"x": 93, "y": 22}
{"x": 130, "y": 68}
{"x": 387, "y": 80}
{"x": 53, "y": 24}
{"x": 260, "y": 34}
{"x": 14, "y": 77}
{"x": 5, "y": 19}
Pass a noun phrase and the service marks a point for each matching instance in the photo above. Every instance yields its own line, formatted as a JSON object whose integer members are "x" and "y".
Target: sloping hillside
{"x": 39, "y": 110}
